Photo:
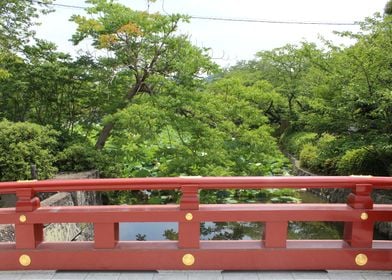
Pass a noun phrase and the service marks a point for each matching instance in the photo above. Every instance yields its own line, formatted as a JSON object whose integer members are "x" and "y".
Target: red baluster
{"x": 360, "y": 234}
{"x": 27, "y": 235}
{"x": 189, "y": 228}
{"x": 275, "y": 234}
{"x": 106, "y": 235}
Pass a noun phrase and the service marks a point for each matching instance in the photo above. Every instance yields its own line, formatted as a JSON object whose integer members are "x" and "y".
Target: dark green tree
{"x": 51, "y": 88}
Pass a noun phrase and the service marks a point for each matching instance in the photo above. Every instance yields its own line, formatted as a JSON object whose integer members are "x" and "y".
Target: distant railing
{"x": 357, "y": 249}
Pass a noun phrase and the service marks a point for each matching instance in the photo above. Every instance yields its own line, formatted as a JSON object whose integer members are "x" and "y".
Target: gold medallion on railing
{"x": 361, "y": 259}
{"x": 24, "y": 260}
{"x": 364, "y": 216}
{"x": 189, "y": 216}
{"x": 22, "y": 218}
{"x": 188, "y": 259}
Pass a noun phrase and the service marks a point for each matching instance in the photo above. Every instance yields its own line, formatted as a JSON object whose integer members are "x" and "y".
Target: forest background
{"x": 153, "y": 104}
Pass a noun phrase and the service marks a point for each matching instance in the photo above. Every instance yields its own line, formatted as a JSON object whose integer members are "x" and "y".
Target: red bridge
{"x": 357, "y": 249}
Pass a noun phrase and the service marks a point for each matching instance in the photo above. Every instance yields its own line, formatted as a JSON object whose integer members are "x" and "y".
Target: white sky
{"x": 233, "y": 41}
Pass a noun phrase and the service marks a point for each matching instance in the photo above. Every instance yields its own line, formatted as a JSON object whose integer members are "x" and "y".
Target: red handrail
{"x": 357, "y": 249}
{"x": 202, "y": 182}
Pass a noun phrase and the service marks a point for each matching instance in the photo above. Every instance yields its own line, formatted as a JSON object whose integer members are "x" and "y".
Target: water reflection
{"x": 148, "y": 231}
{"x": 229, "y": 231}
{"x": 234, "y": 230}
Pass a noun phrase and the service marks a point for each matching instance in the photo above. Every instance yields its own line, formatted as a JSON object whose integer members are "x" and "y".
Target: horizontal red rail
{"x": 199, "y": 182}
{"x": 205, "y": 213}
{"x": 357, "y": 249}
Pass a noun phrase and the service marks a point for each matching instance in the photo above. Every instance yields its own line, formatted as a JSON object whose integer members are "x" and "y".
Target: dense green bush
{"x": 78, "y": 157}
{"x": 23, "y": 144}
{"x": 317, "y": 153}
{"x": 367, "y": 160}
{"x": 309, "y": 156}
{"x": 328, "y": 154}
{"x": 313, "y": 150}
{"x": 295, "y": 142}
{"x": 330, "y": 151}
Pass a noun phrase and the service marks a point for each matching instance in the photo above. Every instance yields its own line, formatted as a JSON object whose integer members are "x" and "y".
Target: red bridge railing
{"x": 357, "y": 249}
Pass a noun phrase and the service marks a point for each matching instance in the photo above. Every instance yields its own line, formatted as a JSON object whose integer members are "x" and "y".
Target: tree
{"x": 48, "y": 87}
{"x": 16, "y": 20}
{"x": 346, "y": 93}
{"x": 388, "y": 8}
{"x": 355, "y": 91}
{"x": 220, "y": 131}
{"x": 144, "y": 48}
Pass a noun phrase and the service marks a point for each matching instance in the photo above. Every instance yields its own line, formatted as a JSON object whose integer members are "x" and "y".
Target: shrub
{"x": 329, "y": 154}
{"x": 365, "y": 161}
{"x": 296, "y": 141}
{"x": 78, "y": 157}
{"x": 309, "y": 157}
{"x": 23, "y": 144}
{"x": 352, "y": 161}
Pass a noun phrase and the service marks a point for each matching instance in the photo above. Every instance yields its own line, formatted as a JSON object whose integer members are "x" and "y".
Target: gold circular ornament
{"x": 188, "y": 259}
{"x": 24, "y": 260}
{"x": 22, "y": 218}
{"x": 189, "y": 216}
{"x": 364, "y": 216}
{"x": 361, "y": 259}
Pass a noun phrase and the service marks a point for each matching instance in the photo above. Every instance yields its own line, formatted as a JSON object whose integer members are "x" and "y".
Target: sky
{"x": 230, "y": 42}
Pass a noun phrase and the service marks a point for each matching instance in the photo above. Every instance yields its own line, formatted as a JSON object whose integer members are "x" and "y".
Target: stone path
{"x": 195, "y": 275}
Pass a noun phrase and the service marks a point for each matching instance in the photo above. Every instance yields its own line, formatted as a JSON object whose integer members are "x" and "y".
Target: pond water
{"x": 234, "y": 230}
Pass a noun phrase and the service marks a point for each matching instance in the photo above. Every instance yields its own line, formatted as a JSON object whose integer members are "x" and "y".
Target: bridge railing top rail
{"x": 197, "y": 183}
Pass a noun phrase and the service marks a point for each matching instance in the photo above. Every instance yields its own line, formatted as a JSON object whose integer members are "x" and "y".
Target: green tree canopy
{"x": 16, "y": 19}
{"x": 219, "y": 131}
{"x": 145, "y": 49}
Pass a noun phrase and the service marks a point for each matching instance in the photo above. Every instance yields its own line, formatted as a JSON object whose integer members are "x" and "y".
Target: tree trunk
{"x": 107, "y": 129}
{"x": 135, "y": 89}
{"x": 103, "y": 136}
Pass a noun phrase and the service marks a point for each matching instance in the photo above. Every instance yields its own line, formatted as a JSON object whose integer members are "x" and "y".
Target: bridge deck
{"x": 194, "y": 275}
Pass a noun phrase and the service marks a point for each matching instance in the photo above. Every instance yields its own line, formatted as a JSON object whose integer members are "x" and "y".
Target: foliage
{"x": 295, "y": 142}
{"x": 23, "y": 144}
{"x": 183, "y": 133}
{"x": 142, "y": 197}
{"x": 249, "y": 196}
{"x": 50, "y": 88}
{"x": 343, "y": 92}
{"x": 309, "y": 157}
{"x": 156, "y": 105}
{"x": 78, "y": 157}
{"x": 144, "y": 48}
{"x": 367, "y": 160}
{"x": 313, "y": 230}
{"x": 286, "y": 68}
{"x": 16, "y": 21}
{"x": 388, "y": 8}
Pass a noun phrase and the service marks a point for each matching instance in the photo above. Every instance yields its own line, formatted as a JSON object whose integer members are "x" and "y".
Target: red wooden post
{"x": 275, "y": 234}
{"x": 360, "y": 234}
{"x": 27, "y": 236}
{"x": 106, "y": 235}
{"x": 188, "y": 228}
